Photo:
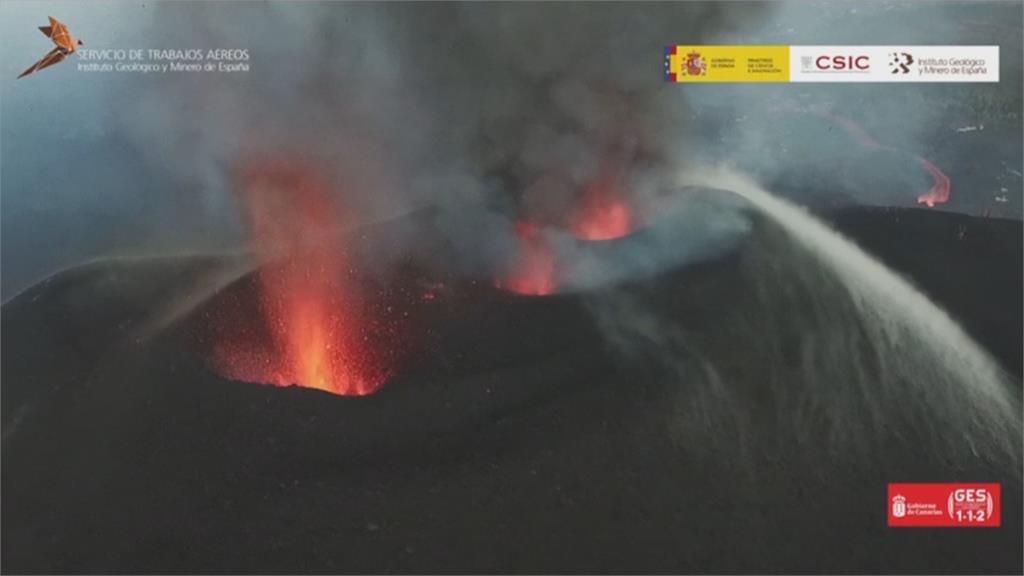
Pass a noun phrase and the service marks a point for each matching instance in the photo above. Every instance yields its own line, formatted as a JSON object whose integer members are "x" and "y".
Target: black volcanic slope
{"x": 518, "y": 441}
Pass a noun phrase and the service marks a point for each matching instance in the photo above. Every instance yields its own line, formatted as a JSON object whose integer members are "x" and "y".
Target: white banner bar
{"x": 894, "y": 64}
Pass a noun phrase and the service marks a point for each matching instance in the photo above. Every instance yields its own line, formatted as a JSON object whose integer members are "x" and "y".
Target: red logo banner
{"x": 960, "y": 504}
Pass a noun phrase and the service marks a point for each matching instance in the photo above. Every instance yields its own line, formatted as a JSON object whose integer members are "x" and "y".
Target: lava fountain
{"x": 312, "y": 330}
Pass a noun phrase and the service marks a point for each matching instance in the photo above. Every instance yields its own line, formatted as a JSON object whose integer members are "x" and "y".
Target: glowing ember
{"x": 318, "y": 337}
{"x": 535, "y": 271}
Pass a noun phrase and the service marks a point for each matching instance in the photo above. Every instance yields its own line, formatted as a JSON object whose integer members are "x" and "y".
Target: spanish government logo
{"x": 695, "y": 65}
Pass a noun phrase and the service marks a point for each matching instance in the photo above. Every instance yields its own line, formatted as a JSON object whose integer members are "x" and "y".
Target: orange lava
{"x": 534, "y": 274}
{"x": 939, "y": 192}
{"x": 310, "y": 308}
{"x": 603, "y": 213}
{"x": 603, "y": 219}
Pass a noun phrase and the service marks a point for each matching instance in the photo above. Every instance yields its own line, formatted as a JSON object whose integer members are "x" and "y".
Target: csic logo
{"x": 833, "y": 63}
{"x": 695, "y": 65}
{"x": 842, "y": 63}
{"x": 900, "y": 62}
{"x": 899, "y": 506}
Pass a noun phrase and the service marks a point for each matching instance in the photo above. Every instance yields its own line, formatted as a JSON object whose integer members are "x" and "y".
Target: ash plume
{"x": 489, "y": 112}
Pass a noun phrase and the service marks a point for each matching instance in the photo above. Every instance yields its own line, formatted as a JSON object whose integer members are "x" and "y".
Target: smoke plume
{"x": 490, "y": 113}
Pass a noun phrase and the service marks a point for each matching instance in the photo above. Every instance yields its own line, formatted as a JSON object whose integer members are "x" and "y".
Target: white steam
{"x": 823, "y": 352}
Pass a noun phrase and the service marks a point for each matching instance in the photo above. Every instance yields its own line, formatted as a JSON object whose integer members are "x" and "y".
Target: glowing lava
{"x": 534, "y": 274}
{"x": 939, "y": 192}
{"x": 603, "y": 214}
{"x": 603, "y": 218}
{"x": 316, "y": 335}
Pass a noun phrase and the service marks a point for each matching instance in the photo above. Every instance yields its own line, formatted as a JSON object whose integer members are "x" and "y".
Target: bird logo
{"x": 58, "y": 32}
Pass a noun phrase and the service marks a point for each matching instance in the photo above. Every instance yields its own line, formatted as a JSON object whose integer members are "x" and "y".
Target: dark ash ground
{"x": 520, "y": 443}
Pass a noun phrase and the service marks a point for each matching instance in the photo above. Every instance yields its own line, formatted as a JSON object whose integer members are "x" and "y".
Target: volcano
{"x": 520, "y": 439}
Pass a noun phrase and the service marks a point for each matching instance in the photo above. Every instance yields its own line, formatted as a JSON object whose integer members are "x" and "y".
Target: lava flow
{"x": 534, "y": 273}
{"x": 941, "y": 184}
{"x": 311, "y": 331}
{"x": 939, "y": 192}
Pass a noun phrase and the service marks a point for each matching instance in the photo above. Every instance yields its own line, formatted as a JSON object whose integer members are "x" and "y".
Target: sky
{"x": 437, "y": 104}
{"x": 74, "y": 185}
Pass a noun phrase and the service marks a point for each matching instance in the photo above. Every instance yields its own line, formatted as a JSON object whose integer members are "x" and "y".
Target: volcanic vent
{"x": 602, "y": 211}
{"x": 305, "y": 318}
